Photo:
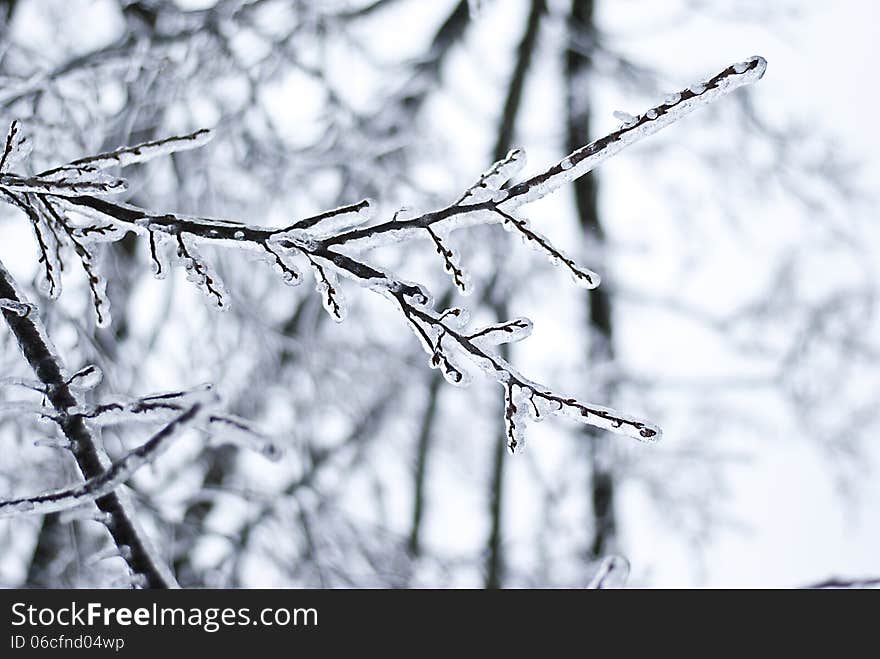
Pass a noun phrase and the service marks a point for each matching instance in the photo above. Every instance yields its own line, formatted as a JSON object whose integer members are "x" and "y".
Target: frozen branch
{"x": 323, "y": 241}
{"x": 107, "y": 481}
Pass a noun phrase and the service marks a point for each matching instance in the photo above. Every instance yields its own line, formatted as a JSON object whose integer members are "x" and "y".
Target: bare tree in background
{"x": 350, "y": 404}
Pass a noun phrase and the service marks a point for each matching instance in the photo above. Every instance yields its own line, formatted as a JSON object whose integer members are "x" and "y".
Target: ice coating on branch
{"x": 155, "y": 408}
{"x": 12, "y": 381}
{"x": 485, "y": 202}
{"x": 139, "y": 153}
{"x": 515, "y": 416}
{"x": 86, "y": 379}
{"x": 509, "y": 331}
{"x": 455, "y": 316}
{"x": 71, "y": 185}
{"x": 588, "y": 157}
{"x": 234, "y": 430}
{"x": 97, "y": 283}
{"x": 86, "y": 176}
{"x": 162, "y": 408}
{"x": 49, "y": 279}
{"x": 451, "y": 262}
{"x": 332, "y": 222}
{"x": 17, "y": 147}
{"x": 490, "y": 182}
{"x": 96, "y": 229}
{"x": 113, "y": 476}
{"x": 581, "y": 276}
{"x": 524, "y": 399}
{"x": 53, "y": 442}
{"x": 201, "y": 273}
{"x": 281, "y": 260}
{"x": 294, "y": 236}
{"x": 327, "y": 285}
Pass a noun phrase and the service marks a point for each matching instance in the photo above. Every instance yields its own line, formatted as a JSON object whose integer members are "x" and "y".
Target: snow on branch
{"x": 327, "y": 242}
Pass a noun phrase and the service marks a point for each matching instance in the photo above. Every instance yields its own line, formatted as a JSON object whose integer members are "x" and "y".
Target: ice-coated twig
{"x": 580, "y": 275}
{"x": 324, "y": 241}
{"x": 509, "y": 331}
{"x": 16, "y": 148}
{"x": 161, "y": 408}
{"x": 131, "y": 155}
{"x": 106, "y": 482}
{"x": 327, "y": 285}
{"x": 451, "y": 263}
{"x": 333, "y": 221}
{"x": 63, "y": 186}
{"x": 97, "y": 283}
{"x": 201, "y": 273}
{"x": 671, "y": 110}
{"x": 47, "y": 243}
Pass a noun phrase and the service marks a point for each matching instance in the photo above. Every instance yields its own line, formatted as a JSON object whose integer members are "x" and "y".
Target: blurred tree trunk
{"x": 53, "y": 542}
{"x": 578, "y": 65}
{"x": 494, "y": 569}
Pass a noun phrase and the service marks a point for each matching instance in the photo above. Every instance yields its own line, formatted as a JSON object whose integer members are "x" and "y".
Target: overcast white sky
{"x": 799, "y": 527}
